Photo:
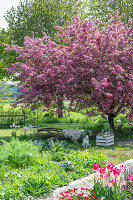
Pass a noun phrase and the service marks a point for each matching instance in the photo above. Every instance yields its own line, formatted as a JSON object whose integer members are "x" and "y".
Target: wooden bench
{"x": 61, "y": 134}
{"x": 51, "y": 132}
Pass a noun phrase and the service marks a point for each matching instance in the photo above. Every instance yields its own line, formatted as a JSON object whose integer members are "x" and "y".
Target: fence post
{"x": 24, "y": 118}
{"x": 37, "y": 119}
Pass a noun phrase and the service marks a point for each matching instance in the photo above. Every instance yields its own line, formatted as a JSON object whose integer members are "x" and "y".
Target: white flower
{"x": 10, "y": 126}
{"x": 30, "y": 154}
{"x": 30, "y": 126}
{"x": 19, "y": 175}
{"x": 119, "y": 121}
{"x": 18, "y": 126}
{"x": 13, "y": 124}
{"x": 6, "y": 174}
{"x": 26, "y": 128}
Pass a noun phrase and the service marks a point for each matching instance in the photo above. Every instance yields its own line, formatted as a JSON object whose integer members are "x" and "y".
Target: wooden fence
{"x": 7, "y": 120}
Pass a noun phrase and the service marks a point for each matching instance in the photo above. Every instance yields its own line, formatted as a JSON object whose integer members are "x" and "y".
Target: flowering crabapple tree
{"x": 93, "y": 66}
{"x": 41, "y": 72}
{"x": 100, "y": 65}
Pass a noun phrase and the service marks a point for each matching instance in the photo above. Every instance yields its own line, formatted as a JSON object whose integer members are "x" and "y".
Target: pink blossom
{"x": 130, "y": 177}
{"x": 123, "y": 168}
{"x": 124, "y": 182}
{"x": 110, "y": 167}
{"x": 108, "y": 95}
{"x": 116, "y": 171}
{"x": 112, "y": 183}
{"x": 102, "y": 170}
{"x": 96, "y": 167}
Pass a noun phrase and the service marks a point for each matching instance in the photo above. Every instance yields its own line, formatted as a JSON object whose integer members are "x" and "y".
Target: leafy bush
{"x": 18, "y": 154}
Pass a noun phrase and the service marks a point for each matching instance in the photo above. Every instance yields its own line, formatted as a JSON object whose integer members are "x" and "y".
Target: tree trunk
{"x": 111, "y": 120}
{"x": 60, "y": 108}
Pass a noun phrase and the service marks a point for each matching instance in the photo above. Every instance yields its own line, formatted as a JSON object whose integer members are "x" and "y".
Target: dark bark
{"x": 60, "y": 106}
{"x": 111, "y": 120}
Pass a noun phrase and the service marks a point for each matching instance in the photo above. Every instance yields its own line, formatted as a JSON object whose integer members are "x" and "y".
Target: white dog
{"x": 86, "y": 141}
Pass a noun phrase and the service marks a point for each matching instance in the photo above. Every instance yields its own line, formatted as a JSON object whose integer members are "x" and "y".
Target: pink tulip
{"x": 102, "y": 170}
{"x": 116, "y": 171}
{"x": 96, "y": 167}
{"x": 130, "y": 177}
{"x": 110, "y": 167}
{"x": 123, "y": 168}
{"x": 124, "y": 182}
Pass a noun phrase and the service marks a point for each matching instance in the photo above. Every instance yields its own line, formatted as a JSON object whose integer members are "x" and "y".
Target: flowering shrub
{"x": 109, "y": 183}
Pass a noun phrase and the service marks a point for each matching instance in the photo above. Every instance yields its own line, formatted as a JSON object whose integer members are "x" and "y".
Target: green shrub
{"x": 18, "y": 154}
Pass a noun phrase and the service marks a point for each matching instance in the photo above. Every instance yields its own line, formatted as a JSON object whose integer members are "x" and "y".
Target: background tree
{"x": 41, "y": 16}
{"x": 6, "y": 58}
{"x": 5, "y": 92}
{"x": 100, "y": 9}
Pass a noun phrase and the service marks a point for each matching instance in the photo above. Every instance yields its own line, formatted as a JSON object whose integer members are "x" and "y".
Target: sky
{"x": 4, "y": 6}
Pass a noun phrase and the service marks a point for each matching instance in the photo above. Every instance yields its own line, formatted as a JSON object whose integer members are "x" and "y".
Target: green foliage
{"x": 5, "y": 92}
{"x": 100, "y": 9}
{"x": 36, "y": 186}
{"x": 59, "y": 156}
{"x": 68, "y": 166}
{"x": 6, "y": 58}
{"x": 18, "y": 154}
{"x": 41, "y": 16}
{"x": 59, "y": 163}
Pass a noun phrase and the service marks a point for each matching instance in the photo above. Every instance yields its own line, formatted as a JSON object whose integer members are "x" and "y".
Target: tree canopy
{"x": 41, "y": 16}
{"x": 6, "y": 58}
{"x": 100, "y": 9}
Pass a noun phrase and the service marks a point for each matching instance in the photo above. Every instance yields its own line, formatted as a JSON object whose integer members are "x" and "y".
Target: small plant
{"x": 36, "y": 186}
{"x": 58, "y": 156}
{"x": 14, "y": 130}
{"x": 68, "y": 166}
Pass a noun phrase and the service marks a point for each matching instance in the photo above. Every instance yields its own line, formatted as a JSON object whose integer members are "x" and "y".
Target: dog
{"x": 86, "y": 141}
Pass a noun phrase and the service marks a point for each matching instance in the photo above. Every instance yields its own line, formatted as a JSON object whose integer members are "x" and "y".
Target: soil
{"x": 126, "y": 143}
